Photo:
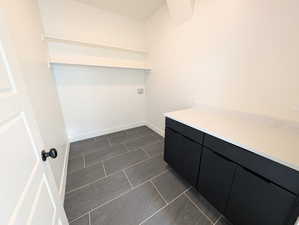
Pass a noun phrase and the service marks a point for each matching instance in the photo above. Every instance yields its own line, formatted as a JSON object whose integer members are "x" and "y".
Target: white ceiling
{"x": 137, "y": 9}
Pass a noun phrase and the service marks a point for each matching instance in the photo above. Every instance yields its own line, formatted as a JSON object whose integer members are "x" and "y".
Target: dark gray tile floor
{"x": 122, "y": 179}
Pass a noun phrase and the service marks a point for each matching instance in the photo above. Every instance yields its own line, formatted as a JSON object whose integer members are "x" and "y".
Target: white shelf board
{"x": 88, "y": 44}
{"x": 98, "y": 61}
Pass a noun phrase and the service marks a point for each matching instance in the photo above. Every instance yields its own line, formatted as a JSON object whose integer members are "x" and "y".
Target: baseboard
{"x": 156, "y": 129}
{"x": 96, "y": 133}
{"x": 64, "y": 173}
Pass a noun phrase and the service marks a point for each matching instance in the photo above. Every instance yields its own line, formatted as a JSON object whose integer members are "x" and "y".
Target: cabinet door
{"x": 256, "y": 201}
{"x": 191, "y": 160}
{"x": 215, "y": 179}
{"x": 183, "y": 155}
{"x": 173, "y": 149}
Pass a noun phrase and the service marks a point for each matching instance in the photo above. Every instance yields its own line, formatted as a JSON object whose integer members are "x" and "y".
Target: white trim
{"x": 51, "y": 38}
{"x": 96, "y": 133}
{"x": 156, "y": 129}
{"x": 64, "y": 173}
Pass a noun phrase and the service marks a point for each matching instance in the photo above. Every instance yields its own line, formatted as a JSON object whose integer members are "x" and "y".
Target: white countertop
{"x": 274, "y": 139}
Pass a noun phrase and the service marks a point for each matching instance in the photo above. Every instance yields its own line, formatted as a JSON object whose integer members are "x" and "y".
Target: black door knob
{"x": 52, "y": 153}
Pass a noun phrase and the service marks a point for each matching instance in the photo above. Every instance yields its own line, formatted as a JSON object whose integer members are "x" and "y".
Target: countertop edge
{"x": 294, "y": 167}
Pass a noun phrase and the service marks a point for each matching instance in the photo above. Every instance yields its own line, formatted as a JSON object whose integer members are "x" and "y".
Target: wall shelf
{"x": 99, "y": 61}
{"x": 88, "y": 44}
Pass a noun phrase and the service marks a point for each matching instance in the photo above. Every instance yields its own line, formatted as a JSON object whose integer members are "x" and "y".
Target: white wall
{"x": 73, "y": 20}
{"x": 26, "y": 27}
{"x": 97, "y": 101}
{"x": 240, "y": 55}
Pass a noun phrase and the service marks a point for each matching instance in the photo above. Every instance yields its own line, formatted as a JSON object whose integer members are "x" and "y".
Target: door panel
{"x": 5, "y": 83}
{"x": 44, "y": 208}
{"x": 254, "y": 200}
{"x": 22, "y": 148}
{"x": 173, "y": 149}
{"x": 215, "y": 178}
{"x": 191, "y": 152}
{"x": 183, "y": 154}
{"x": 28, "y": 194}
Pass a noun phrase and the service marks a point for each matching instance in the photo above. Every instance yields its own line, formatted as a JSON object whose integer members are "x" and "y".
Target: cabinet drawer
{"x": 277, "y": 173}
{"x": 185, "y": 130}
{"x": 255, "y": 201}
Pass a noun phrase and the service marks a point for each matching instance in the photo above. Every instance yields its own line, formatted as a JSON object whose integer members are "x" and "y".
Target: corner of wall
{"x": 100, "y": 132}
{"x": 156, "y": 129}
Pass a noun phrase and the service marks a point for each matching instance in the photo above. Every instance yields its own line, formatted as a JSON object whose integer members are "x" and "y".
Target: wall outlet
{"x": 140, "y": 91}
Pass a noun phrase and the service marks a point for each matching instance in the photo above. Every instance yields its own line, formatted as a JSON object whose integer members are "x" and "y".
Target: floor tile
{"x": 82, "y": 142}
{"x": 203, "y": 204}
{"x": 75, "y": 164}
{"x": 154, "y": 149}
{"x": 118, "y": 140}
{"x": 82, "y": 221}
{"x": 130, "y": 209}
{"x": 102, "y": 137}
{"x": 84, "y": 176}
{"x": 104, "y": 154}
{"x": 74, "y": 154}
{"x": 146, "y": 170}
{"x": 170, "y": 185}
{"x": 97, "y": 145}
{"x": 77, "y": 146}
{"x": 139, "y": 131}
{"x": 122, "y": 139}
{"x": 81, "y": 201}
{"x": 117, "y": 134}
{"x": 91, "y": 146}
{"x": 179, "y": 212}
{"x": 223, "y": 221}
{"x": 143, "y": 141}
{"x": 123, "y": 161}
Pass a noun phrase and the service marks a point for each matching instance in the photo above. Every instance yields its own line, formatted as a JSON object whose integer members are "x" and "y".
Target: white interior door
{"x": 28, "y": 193}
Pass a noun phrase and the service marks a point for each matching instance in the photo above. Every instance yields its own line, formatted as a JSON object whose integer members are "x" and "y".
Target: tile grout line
{"x": 84, "y": 163}
{"x": 167, "y": 204}
{"x": 89, "y": 218}
{"x": 199, "y": 209}
{"x": 220, "y": 217}
{"x": 92, "y": 139}
{"x": 102, "y": 178}
{"x": 150, "y": 179}
{"x": 99, "y": 206}
{"x": 74, "y": 220}
{"x": 104, "y": 169}
{"x": 85, "y": 185}
{"x": 102, "y": 161}
{"x": 127, "y": 151}
{"x": 112, "y": 157}
{"x": 109, "y": 141}
{"x": 126, "y": 175}
{"x": 146, "y": 153}
{"x": 126, "y": 192}
{"x": 105, "y": 203}
{"x": 159, "y": 192}
{"x": 134, "y": 163}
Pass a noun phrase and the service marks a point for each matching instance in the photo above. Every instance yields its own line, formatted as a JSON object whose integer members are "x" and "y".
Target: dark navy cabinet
{"x": 173, "y": 149}
{"x": 182, "y": 154}
{"x": 245, "y": 187}
{"x": 255, "y": 200}
{"x": 216, "y": 178}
